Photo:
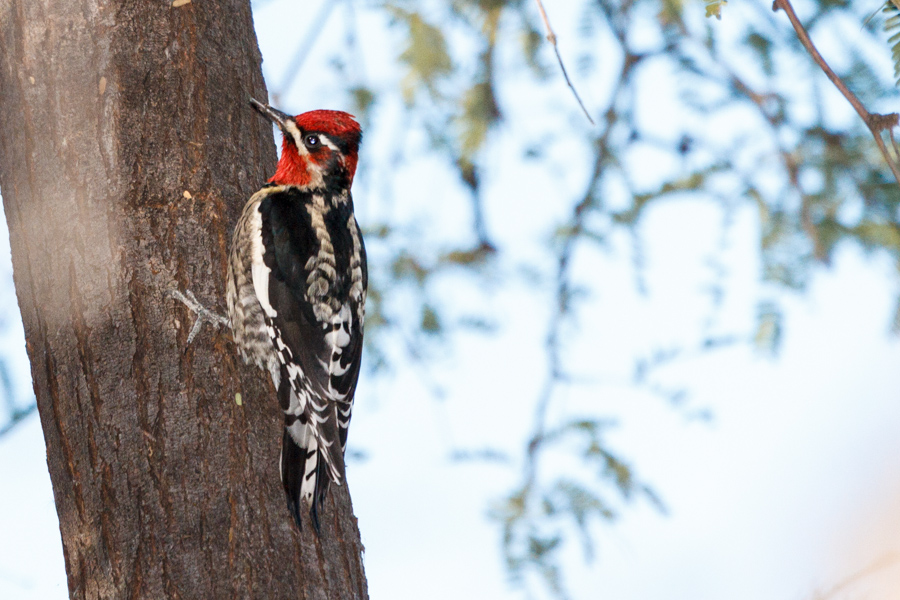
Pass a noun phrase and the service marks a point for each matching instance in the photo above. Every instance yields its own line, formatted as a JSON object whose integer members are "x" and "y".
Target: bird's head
{"x": 319, "y": 148}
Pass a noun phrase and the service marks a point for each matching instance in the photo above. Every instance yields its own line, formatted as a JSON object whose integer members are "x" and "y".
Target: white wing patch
{"x": 337, "y": 339}
{"x": 303, "y": 402}
{"x": 259, "y": 270}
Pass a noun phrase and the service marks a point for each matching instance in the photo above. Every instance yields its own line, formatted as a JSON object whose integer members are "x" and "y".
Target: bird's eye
{"x": 311, "y": 141}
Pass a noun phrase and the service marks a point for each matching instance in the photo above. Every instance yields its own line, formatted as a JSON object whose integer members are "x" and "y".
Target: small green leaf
{"x": 763, "y": 47}
{"x": 890, "y": 27}
{"x": 407, "y": 266}
{"x": 478, "y": 255}
{"x": 714, "y": 8}
{"x": 878, "y": 234}
{"x": 430, "y": 321}
{"x": 671, "y": 12}
{"x": 363, "y": 98}
{"x": 532, "y": 41}
{"x": 426, "y": 54}
{"x": 480, "y": 113}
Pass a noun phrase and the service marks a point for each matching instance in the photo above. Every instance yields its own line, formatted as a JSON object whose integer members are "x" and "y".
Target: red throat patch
{"x": 292, "y": 168}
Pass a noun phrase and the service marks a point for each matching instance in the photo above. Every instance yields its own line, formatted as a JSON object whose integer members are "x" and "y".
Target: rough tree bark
{"x": 127, "y": 150}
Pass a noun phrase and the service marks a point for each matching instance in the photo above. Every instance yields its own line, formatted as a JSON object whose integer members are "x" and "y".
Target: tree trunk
{"x": 127, "y": 150}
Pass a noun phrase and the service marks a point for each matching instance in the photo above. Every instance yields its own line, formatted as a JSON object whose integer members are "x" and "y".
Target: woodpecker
{"x": 296, "y": 295}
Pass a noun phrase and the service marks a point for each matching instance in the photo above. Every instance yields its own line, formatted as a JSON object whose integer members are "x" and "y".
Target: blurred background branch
{"x": 875, "y": 122}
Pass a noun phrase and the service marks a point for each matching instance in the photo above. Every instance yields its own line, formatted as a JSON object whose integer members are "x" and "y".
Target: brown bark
{"x": 110, "y": 111}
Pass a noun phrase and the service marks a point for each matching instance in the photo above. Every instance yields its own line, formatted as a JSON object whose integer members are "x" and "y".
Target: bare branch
{"x": 874, "y": 121}
{"x": 303, "y": 50}
{"x": 17, "y": 417}
{"x": 551, "y": 37}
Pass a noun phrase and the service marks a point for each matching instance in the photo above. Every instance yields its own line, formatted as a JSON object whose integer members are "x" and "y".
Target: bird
{"x": 296, "y": 291}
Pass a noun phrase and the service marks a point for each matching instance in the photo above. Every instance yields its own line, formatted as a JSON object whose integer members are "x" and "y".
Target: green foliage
{"x": 537, "y": 517}
{"x": 714, "y": 8}
{"x": 762, "y": 45}
{"x": 425, "y": 55}
{"x": 430, "y": 320}
{"x": 469, "y": 258}
{"x": 363, "y": 99}
{"x": 480, "y": 111}
{"x": 670, "y": 13}
{"x": 532, "y": 40}
{"x": 891, "y": 11}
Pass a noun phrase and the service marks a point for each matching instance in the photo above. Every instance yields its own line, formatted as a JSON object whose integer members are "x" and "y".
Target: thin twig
{"x": 551, "y": 37}
{"x": 303, "y": 50}
{"x": 875, "y": 122}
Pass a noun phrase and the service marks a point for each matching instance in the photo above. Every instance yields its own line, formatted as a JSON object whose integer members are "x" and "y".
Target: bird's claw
{"x": 203, "y": 313}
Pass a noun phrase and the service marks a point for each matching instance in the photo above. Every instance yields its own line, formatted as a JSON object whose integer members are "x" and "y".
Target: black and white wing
{"x": 310, "y": 278}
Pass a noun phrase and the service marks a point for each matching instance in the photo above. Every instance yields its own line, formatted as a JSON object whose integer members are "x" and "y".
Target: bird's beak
{"x": 276, "y": 116}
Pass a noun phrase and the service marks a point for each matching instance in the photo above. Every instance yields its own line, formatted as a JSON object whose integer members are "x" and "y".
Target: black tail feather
{"x": 293, "y": 468}
{"x": 293, "y": 459}
{"x": 322, "y": 480}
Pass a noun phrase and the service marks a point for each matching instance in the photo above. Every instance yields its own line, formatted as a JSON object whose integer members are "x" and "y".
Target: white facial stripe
{"x": 328, "y": 142}
{"x": 298, "y": 138}
{"x": 295, "y": 133}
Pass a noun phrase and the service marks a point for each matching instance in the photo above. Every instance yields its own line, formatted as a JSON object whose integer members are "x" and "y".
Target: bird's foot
{"x": 204, "y": 315}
